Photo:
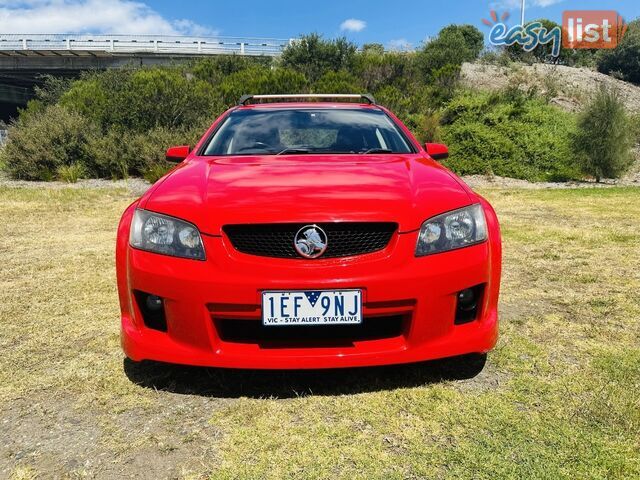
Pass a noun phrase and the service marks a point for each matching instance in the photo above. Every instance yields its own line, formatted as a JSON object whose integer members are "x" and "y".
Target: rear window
{"x": 291, "y": 131}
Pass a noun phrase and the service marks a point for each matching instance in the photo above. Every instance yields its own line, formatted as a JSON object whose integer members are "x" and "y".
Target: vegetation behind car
{"x": 118, "y": 123}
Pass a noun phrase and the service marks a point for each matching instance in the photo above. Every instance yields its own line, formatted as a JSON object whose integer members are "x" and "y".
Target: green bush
{"x": 139, "y": 100}
{"x": 313, "y": 56}
{"x": 39, "y": 145}
{"x": 125, "y": 154}
{"x": 625, "y": 58}
{"x": 605, "y": 136}
{"x": 378, "y": 69}
{"x": 262, "y": 80}
{"x": 71, "y": 173}
{"x": 215, "y": 69}
{"x": 517, "y": 137}
{"x": 454, "y": 45}
{"x": 396, "y": 100}
{"x": 337, "y": 82}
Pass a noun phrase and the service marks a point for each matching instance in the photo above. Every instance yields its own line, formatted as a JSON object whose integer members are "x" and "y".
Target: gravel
{"x": 137, "y": 186}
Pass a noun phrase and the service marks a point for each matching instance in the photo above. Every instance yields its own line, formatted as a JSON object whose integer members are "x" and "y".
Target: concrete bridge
{"x": 25, "y": 57}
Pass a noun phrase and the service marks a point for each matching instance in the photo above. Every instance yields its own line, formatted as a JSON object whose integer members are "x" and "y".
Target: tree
{"x": 454, "y": 45}
{"x": 604, "y": 137}
{"x": 625, "y": 58}
{"x": 473, "y": 38}
{"x": 313, "y": 56}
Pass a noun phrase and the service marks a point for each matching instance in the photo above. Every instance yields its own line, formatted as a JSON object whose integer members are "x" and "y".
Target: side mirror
{"x": 177, "y": 154}
{"x": 437, "y": 151}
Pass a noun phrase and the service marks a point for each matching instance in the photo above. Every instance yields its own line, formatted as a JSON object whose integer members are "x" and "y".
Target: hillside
{"x": 568, "y": 87}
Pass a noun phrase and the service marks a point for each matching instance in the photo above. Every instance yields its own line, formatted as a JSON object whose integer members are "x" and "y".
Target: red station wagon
{"x": 308, "y": 234}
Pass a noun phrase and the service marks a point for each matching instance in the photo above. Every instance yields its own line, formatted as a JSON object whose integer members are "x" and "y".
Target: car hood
{"x": 211, "y": 193}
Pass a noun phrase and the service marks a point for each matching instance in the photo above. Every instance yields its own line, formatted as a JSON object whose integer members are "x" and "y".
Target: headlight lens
{"x": 159, "y": 233}
{"x": 457, "y": 229}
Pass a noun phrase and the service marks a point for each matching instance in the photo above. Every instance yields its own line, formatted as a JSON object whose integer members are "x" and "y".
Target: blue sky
{"x": 391, "y": 23}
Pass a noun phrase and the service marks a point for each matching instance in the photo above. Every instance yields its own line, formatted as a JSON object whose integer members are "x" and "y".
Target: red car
{"x": 302, "y": 234}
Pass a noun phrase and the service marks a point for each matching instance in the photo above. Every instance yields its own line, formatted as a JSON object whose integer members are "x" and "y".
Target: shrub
{"x": 378, "y": 69}
{"x": 425, "y": 126}
{"x": 216, "y": 68}
{"x": 143, "y": 99}
{"x": 337, "y": 82}
{"x": 444, "y": 85}
{"x": 71, "y": 173}
{"x": 605, "y": 136}
{"x": 473, "y": 38}
{"x": 124, "y": 154}
{"x": 454, "y": 45}
{"x": 63, "y": 144}
{"x": 498, "y": 57}
{"x": 508, "y": 135}
{"x": 39, "y": 145}
{"x": 624, "y": 59}
{"x": 395, "y": 100}
{"x": 261, "y": 80}
{"x": 313, "y": 56}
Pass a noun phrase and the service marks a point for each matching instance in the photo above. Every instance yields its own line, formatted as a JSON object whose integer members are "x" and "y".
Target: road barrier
{"x": 67, "y": 44}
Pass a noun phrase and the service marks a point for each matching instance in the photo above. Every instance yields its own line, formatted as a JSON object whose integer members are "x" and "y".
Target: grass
{"x": 557, "y": 399}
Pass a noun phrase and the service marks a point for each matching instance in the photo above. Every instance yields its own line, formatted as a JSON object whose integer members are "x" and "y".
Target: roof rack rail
{"x": 245, "y": 99}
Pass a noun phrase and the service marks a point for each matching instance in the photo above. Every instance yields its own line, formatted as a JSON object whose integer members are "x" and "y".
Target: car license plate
{"x": 312, "y": 307}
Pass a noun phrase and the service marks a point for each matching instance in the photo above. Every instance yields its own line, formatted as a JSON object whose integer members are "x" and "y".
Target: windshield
{"x": 319, "y": 130}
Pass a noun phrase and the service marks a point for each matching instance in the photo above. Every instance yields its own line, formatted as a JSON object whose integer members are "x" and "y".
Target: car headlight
{"x": 159, "y": 233}
{"x": 460, "y": 228}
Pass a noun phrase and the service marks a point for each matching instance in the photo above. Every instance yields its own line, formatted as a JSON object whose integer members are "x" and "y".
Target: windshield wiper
{"x": 293, "y": 150}
{"x": 378, "y": 150}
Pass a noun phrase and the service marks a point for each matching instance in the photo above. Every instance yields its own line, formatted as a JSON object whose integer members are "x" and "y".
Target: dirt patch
{"x": 64, "y": 441}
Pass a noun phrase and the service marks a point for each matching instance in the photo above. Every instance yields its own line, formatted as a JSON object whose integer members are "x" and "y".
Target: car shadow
{"x": 231, "y": 383}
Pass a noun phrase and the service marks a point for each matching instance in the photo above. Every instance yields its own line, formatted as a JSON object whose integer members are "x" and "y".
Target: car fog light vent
{"x": 152, "y": 309}
{"x": 468, "y": 303}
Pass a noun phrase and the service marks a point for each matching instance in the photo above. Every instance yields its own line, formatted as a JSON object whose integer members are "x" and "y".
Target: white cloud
{"x": 400, "y": 44}
{"x": 91, "y": 16}
{"x": 353, "y": 25}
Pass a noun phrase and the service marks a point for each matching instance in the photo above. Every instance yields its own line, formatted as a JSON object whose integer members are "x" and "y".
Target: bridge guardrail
{"x": 161, "y": 44}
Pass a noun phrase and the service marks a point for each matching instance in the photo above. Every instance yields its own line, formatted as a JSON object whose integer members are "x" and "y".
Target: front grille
{"x": 344, "y": 239}
{"x": 252, "y": 331}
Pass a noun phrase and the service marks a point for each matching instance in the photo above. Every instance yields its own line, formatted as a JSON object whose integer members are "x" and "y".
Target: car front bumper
{"x": 199, "y": 296}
